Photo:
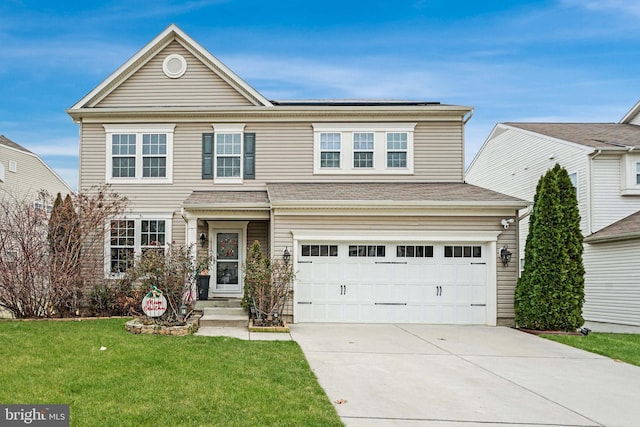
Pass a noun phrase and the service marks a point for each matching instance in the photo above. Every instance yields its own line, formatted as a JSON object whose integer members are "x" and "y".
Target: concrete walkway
{"x": 426, "y": 375}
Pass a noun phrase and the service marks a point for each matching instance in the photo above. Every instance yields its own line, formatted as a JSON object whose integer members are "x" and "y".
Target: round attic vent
{"x": 174, "y": 66}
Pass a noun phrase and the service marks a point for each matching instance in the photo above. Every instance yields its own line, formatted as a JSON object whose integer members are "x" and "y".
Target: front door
{"x": 228, "y": 250}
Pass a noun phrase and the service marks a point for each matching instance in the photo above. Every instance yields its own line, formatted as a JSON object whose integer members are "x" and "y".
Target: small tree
{"x": 550, "y": 292}
{"x": 267, "y": 284}
{"x": 64, "y": 252}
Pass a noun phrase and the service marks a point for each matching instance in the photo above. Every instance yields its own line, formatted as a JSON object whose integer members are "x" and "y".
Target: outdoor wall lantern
{"x": 505, "y": 255}
{"x": 203, "y": 239}
{"x": 286, "y": 256}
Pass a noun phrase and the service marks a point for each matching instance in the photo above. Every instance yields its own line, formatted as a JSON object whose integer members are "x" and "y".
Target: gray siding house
{"x": 368, "y": 197}
{"x": 603, "y": 160}
{"x": 23, "y": 175}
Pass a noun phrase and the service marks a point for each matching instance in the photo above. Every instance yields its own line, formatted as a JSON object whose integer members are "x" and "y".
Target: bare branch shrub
{"x": 47, "y": 265}
{"x": 267, "y": 286}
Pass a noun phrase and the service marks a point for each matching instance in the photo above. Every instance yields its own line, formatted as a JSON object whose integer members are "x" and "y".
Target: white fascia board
{"x": 630, "y": 114}
{"x": 397, "y": 204}
{"x": 395, "y": 235}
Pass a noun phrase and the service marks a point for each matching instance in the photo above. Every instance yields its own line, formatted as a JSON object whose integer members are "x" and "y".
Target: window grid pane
{"x": 152, "y": 233}
{"x": 330, "y": 150}
{"x": 329, "y": 159}
{"x": 638, "y": 173}
{"x": 123, "y": 167}
{"x": 396, "y": 160}
{"x": 228, "y": 167}
{"x": 154, "y": 144}
{"x": 122, "y": 236}
{"x": 123, "y": 144}
{"x": 154, "y": 167}
{"x": 228, "y": 143}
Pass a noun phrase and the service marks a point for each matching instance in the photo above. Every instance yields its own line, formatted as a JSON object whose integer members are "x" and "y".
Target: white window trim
{"x": 13, "y": 166}
{"x": 1, "y": 172}
{"x": 379, "y": 131}
{"x": 139, "y": 130}
{"x": 360, "y": 150}
{"x": 628, "y": 184}
{"x": 137, "y": 246}
{"x": 227, "y": 128}
{"x": 577, "y": 186}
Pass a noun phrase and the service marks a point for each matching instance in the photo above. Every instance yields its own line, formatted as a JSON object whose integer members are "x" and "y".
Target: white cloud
{"x": 622, "y": 7}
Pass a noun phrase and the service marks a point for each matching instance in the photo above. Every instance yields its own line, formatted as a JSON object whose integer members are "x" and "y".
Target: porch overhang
{"x": 227, "y": 205}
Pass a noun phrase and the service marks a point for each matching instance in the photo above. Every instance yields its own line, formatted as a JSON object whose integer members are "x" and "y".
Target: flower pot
{"x": 203, "y": 287}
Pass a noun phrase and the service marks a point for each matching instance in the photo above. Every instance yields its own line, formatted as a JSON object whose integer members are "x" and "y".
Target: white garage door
{"x": 391, "y": 283}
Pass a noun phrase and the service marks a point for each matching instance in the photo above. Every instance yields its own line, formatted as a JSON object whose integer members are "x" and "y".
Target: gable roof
{"x": 596, "y": 135}
{"x": 626, "y": 228}
{"x": 631, "y": 114}
{"x": 170, "y": 34}
{"x": 9, "y": 143}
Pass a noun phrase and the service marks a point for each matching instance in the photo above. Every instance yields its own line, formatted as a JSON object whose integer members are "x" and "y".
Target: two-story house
{"x": 603, "y": 161}
{"x": 23, "y": 175}
{"x": 367, "y": 197}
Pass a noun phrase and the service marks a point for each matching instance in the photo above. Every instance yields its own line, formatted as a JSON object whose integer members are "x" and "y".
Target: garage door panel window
{"x": 367, "y": 251}
{"x": 463, "y": 251}
{"x": 412, "y": 251}
{"x": 320, "y": 250}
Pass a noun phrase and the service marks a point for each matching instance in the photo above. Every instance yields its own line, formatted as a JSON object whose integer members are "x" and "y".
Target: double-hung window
{"x": 370, "y": 148}
{"x": 396, "y": 150}
{"x": 630, "y": 174}
{"x": 224, "y": 154}
{"x": 129, "y": 238}
{"x": 330, "y": 150}
{"x": 363, "y": 150}
{"x": 137, "y": 153}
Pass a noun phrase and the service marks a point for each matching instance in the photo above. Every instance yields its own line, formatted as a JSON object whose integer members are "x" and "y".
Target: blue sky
{"x": 556, "y": 60}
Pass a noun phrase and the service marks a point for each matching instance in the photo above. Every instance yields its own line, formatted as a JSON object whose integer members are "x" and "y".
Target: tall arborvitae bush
{"x": 550, "y": 292}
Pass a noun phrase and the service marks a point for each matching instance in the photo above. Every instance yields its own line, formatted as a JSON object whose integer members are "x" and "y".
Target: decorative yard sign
{"x": 154, "y": 304}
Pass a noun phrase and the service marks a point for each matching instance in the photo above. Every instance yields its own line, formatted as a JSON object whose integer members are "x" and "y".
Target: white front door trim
{"x": 221, "y": 227}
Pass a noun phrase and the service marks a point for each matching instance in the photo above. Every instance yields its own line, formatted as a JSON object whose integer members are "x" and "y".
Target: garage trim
{"x": 490, "y": 238}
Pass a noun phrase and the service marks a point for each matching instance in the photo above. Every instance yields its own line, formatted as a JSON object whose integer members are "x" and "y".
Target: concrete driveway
{"x": 426, "y": 375}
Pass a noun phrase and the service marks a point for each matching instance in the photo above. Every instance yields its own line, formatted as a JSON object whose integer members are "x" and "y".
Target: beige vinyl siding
{"x": 612, "y": 291}
{"x": 31, "y": 176}
{"x": 284, "y": 153}
{"x": 506, "y": 276}
{"x": 149, "y": 86}
{"x": 258, "y": 230}
{"x": 608, "y": 204}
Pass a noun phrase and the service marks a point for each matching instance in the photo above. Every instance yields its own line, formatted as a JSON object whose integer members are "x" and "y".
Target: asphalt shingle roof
{"x": 418, "y": 192}
{"x": 596, "y": 135}
{"x": 627, "y": 227}
{"x": 9, "y": 143}
{"x": 226, "y": 198}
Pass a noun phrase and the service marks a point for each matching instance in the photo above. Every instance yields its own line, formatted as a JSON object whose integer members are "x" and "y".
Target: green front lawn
{"x": 624, "y": 347}
{"x": 142, "y": 380}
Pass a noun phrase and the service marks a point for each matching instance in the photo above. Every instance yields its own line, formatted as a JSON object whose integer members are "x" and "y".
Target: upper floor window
{"x": 397, "y": 150}
{"x": 330, "y": 150}
{"x": 363, "y": 148}
{"x": 139, "y": 153}
{"x": 1, "y": 172}
{"x": 630, "y": 174}
{"x": 228, "y": 155}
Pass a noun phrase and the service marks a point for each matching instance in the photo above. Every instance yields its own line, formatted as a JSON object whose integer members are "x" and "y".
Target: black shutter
{"x": 207, "y": 156}
{"x": 249, "y": 156}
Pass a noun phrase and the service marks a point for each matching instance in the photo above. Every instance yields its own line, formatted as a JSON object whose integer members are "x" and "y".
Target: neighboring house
{"x": 367, "y": 196}
{"x": 23, "y": 175}
{"x": 603, "y": 161}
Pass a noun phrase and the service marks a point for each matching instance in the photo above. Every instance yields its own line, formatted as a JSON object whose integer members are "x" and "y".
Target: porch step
{"x": 217, "y": 302}
{"x": 224, "y": 316}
